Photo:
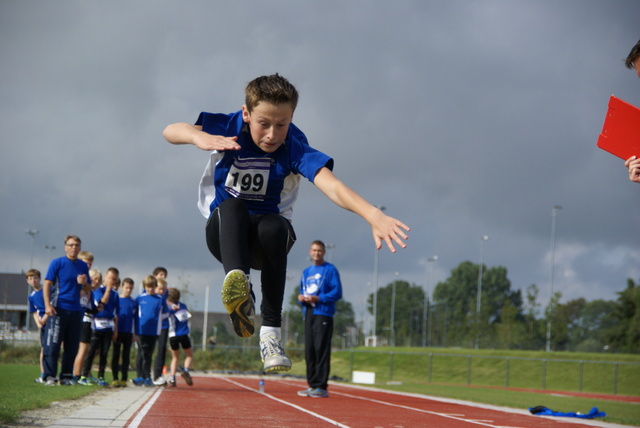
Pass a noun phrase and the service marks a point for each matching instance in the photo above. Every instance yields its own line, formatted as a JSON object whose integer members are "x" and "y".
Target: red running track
{"x": 236, "y": 402}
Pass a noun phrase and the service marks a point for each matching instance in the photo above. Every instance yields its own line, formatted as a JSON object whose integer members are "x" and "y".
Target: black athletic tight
{"x": 244, "y": 241}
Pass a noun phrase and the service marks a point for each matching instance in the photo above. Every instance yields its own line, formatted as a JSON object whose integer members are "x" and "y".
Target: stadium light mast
{"x": 484, "y": 238}
{"x": 554, "y": 213}
{"x": 427, "y": 295}
{"x": 376, "y": 258}
{"x": 32, "y": 233}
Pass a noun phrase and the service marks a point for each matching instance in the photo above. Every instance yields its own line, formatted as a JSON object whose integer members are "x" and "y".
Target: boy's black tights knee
{"x": 244, "y": 241}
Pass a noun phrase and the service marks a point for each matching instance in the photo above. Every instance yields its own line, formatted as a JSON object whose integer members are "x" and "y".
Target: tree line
{"x": 507, "y": 319}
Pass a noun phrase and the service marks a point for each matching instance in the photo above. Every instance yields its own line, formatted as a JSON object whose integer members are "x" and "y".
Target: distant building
{"x": 14, "y": 294}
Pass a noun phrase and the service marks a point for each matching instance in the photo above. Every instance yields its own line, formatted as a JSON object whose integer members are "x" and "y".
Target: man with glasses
{"x": 65, "y": 278}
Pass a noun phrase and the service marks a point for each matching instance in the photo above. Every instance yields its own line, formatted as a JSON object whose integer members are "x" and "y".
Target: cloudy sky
{"x": 462, "y": 118}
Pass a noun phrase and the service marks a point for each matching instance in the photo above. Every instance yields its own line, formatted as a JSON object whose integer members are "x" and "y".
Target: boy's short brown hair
{"x": 160, "y": 269}
{"x": 33, "y": 272}
{"x": 127, "y": 280}
{"x": 173, "y": 295}
{"x": 633, "y": 56}
{"x": 150, "y": 281}
{"x": 273, "y": 89}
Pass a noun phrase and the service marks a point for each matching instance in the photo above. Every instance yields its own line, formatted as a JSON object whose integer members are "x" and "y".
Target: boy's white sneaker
{"x": 160, "y": 381}
{"x": 273, "y": 356}
{"x": 237, "y": 300}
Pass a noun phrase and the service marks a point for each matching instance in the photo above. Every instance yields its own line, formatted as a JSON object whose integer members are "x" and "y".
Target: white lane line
{"x": 444, "y": 415}
{"x": 145, "y": 409}
{"x": 331, "y": 421}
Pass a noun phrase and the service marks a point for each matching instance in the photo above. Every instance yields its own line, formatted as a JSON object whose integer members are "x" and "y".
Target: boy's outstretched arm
{"x": 384, "y": 228}
{"x": 185, "y": 133}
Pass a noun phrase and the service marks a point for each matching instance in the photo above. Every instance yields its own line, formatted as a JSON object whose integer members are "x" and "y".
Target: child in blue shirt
{"x": 37, "y": 308}
{"x": 126, "y": 329}
{"x": 105, "y": 325}
{"x": 247, "y": 193}
{"x": 148, "y": 325}
{"x": 179, "y": 328}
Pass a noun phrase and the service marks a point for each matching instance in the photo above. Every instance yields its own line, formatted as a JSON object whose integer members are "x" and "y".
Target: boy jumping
{"x": 247, "y": 194}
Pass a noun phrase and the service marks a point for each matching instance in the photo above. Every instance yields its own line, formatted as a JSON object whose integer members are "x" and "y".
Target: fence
{"x": 502, "y": 371}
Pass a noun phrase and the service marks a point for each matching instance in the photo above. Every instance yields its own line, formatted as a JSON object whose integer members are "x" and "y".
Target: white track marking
{"x": 443, "y": 415}
{"x": 145, "y": 409}
{"x": 331, "y": 421}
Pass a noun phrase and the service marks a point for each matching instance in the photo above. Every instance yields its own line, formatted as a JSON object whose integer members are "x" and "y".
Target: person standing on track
{"x": 247, "y": 194}
{"x": 179, "y": 329}
{"x": 320, "y": 290}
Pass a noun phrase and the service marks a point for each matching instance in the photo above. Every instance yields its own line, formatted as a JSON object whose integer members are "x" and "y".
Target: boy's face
{"x": 160, "y": 289}
{"x": 150, "y": 290}
{"x": 268, "y": 124}
{"x": 111, "y": 280}
{"x": 126, "y": 289}
{"x": 95, "y": 281}
{"x": 161, "y": 275}
{"x": 88, "y": 262}
{"x": 34, "y": 282}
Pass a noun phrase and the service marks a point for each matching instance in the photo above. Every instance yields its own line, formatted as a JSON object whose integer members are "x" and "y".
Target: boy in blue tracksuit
{"x": 179, "y": 328}
{"x": 36, "y": 307}
{"x": 148, "y": 326}
{"x": 105, "y": 325}
{"x": 126, "y": 331}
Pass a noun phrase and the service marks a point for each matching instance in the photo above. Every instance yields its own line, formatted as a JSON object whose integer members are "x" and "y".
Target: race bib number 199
{"x": 248, "y": 178}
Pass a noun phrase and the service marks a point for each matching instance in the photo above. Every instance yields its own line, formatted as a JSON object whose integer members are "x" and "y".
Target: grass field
{"x": 450, "y": 370}
{"x": 18, "y": 391}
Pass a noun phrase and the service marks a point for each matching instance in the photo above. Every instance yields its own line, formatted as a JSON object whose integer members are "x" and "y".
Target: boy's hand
{"x": 633, "y": 165}
{"x": 210, "y": 142}
{"x": 389, "y": 230}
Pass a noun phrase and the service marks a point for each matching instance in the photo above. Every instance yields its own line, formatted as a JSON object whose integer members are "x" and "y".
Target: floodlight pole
{"x": 430, "y": 260}
{"x": 554, "y": 213}
{"x": 484, "y": 238}
{"x": 32, "y": 233}
{"x": 376, "y": 258}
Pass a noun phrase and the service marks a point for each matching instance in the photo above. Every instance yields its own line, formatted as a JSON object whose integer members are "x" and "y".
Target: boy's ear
{"x": 246, "y": 115}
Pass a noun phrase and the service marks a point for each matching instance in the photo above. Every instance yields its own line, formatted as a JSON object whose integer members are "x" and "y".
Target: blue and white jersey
{"x": 165, "y": 315}
{"x": 86, "y": 301}
{"x": 149, "y": 319}
{"x": 36, "y": 302}
{"x": 322, "y": 281}
{"x": 267, "y": 182}
{"x": 104, "y": 320}
{"x": 179, "y": 324}
{"x": 127, "y": 314}
{"x": 65, "y": 291}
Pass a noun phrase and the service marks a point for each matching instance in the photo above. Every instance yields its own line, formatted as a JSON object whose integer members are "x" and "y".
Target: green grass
{"x": 18, "y": 391}
{"x": 531, "y": 370}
